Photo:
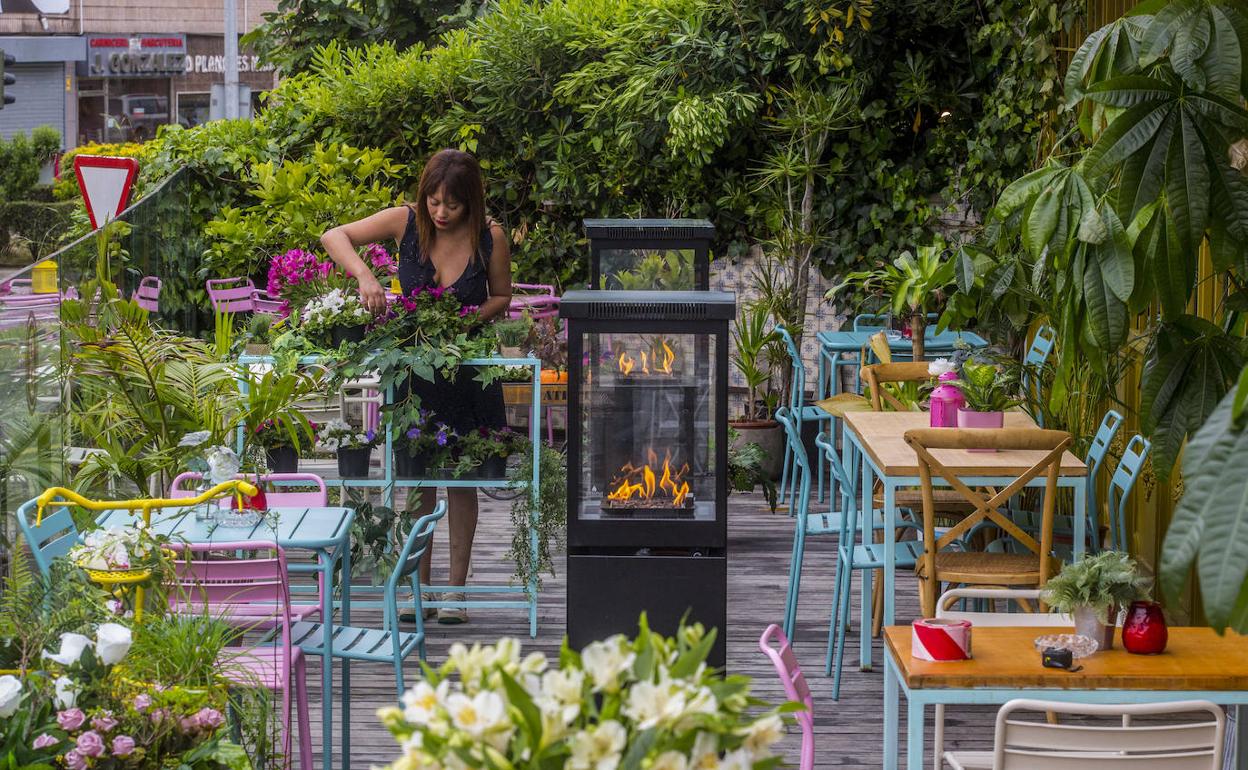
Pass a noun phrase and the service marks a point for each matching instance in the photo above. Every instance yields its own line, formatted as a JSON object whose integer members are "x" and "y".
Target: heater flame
{"x": 658, "y": 360}
{"x": 651, "y": 480}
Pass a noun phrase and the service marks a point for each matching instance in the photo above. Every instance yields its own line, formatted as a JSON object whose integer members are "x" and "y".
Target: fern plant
{"x": 1108, "y": 579}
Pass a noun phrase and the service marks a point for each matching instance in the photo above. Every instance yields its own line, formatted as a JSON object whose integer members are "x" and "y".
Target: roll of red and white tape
{"x": 940, "y": 639}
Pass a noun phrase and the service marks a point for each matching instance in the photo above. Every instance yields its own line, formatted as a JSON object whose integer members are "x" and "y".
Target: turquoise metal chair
{"x": 799, "y": 412}
{"x": 804, "y": 522}
{"x": 1037, "y": 355}
{"x": 871, "y": 322}
{"x": 386, "y": 644}
{"x": 1063, "y": 526}
{"x": 856, "y": 551}
{"x": 1120, "y": 486}
{"x": 51, "y": 538}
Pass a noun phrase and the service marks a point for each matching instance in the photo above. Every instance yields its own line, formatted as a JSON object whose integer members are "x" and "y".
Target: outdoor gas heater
{"x": 644, "y": 254}
{"x": 647, "y": 460}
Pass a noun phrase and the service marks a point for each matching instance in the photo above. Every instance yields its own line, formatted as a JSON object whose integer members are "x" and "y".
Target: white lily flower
{"x": 606, "y": 661}
{"x": 599, "y": 749}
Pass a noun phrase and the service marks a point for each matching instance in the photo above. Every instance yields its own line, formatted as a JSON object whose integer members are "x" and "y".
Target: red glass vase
{"x": 1144, "y": 630}
{"x": 257, "y": 502}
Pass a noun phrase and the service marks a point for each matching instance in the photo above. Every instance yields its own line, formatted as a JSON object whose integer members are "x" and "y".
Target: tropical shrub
{"x": 22, "y": 157}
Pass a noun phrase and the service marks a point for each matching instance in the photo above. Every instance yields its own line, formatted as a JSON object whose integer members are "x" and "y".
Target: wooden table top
{"x": 1195, "y": 659}
{"x": 882, "y": 435}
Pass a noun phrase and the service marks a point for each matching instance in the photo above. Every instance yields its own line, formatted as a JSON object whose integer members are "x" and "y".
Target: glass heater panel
{"x": 639, "y": 269}
{"x": 648, "y": 429}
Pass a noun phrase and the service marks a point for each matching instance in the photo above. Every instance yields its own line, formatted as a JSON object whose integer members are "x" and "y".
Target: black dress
{"x": 462, "y": 403}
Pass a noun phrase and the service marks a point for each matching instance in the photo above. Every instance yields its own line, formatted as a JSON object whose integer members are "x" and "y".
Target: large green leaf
{"x": 1129, "y": 132}
{"x": 1210, "y": 525}
{"x": 1107, "y": 314}
{"x": 1187, "y": 183}
{"x": 1191, "y": 368}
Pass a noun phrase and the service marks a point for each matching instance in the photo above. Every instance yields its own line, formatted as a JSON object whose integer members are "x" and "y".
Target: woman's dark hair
{"x": 458, "y": 175}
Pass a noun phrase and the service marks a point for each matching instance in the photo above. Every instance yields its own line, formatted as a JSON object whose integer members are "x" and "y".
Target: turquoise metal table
{"x": 388, "y": 483}
{"x": 840, "y": 349}
{"x": 1198, "y": 664}
{"x": 878, "y": 439}
{"x": 324, "y": 531}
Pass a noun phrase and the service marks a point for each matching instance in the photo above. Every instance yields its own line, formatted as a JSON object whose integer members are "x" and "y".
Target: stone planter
{"x": 769, "y": 436}
{"x": 1087, "y": 623}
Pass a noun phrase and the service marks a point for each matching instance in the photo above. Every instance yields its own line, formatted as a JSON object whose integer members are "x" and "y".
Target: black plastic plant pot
{"x": 353, "y": 463}
{"x": 409, "y": 466}
{"x": 341, "y": 334}
{"x": 493, "y": 467}
{"x": 282, "y": 459}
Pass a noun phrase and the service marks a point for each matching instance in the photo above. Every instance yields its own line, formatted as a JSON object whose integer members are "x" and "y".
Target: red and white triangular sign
{"x": 105, "y": 183}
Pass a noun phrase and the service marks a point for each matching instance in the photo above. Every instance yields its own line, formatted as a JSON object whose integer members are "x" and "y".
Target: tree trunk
{"x": 918, "y": 325}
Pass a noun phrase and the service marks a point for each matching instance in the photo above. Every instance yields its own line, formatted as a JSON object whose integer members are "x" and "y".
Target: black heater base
{"x": 608, "y": 591}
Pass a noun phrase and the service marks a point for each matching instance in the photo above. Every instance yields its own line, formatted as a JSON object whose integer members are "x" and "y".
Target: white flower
{"x": 195, "y": 439}
{"x": 562, "y": 693}
{"x": 222, "y": 464}
{"x": 606, "y": 661}
{"x": 470, "y": 663}
{"x": 700, "y": 701}
{"x": 72, "y": 646}
{"x": 112, "y": 642}
{"x": 737, "y": 760}
{"x": 66, "y": 692}
{"x": 705, "y": 754}
{"x": 651, "y": 705}
{"x": 10, "y": 695}
{"x": 481, "y": 717}
{"x": 600, "y": 749}
{"x": 940, "y": 366}
{"x": 420, "y": 704}
{"x": 670, "y": 760}
{"x": 762, "y": 735}
{"x": 534, "y": 663}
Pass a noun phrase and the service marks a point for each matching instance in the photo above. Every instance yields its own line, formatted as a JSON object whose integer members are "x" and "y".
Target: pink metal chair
{"x": 147, "y": 295}
{"x": 231, "y": 295}
{"x": 205, "y": 585}
{"x": 183, "y": 486}
{"x": 263, "y": 302}
{"x": 795, "y": 687}
{"x": 542, "y": 304}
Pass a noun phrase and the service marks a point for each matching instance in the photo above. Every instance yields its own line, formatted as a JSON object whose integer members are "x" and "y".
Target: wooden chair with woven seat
{"x": 1031, "y": 568}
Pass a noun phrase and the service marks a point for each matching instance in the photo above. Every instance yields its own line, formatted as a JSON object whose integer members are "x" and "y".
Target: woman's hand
{"x": 372, "y": 295}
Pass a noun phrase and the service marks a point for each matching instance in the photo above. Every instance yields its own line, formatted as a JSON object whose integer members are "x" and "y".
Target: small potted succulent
{"x": 1093, "y": 589}
{"x": 353, "y": 447}
{"x": 421, "y": 446}
{"x": 987, "y": 391}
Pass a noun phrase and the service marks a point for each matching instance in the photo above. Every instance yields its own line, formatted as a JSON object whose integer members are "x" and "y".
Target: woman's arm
{"x": 499, "y": 277}
{"x": 341, "y": 242}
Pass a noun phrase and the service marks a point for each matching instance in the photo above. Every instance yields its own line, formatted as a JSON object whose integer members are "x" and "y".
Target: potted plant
{"x": 512, "y": 334}
{"x": 913, "y": 286}
{"x": 280, "y": 444}
{"x": 753, "y": 338}
{"x": 987, "y": 391}
{"x": 338, "y": 313}
{"x": 421, "y": 447}
{"x": 352, "y": 447}
{"x": 484, "y": 452}
{"x": 650, "y": 702}
{"x": 1093, "y": 589}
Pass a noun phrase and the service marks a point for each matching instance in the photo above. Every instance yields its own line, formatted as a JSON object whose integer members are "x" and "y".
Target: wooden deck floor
{"x": 849, "y": 731}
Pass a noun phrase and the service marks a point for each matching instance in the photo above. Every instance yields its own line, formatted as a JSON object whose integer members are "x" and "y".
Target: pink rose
{"x": 74, "y": 760}
{"x": 188, "y": 725}
{"x": 44, "y": 741}
{"x": 90, "y": 744}
{"x": 123, "y": 745}
{"x": 142, "y": 702}
{"x": 104, "y": 722}
{"x": 71, "y": 719}
{"x": 159, "y": 715}
{"x": 209, "y": 718}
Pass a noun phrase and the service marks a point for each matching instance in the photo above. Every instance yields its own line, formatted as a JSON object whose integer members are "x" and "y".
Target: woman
{"x": 445, "y": 239}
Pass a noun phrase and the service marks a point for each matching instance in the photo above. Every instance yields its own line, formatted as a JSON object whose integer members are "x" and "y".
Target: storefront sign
{"x": 135, "y": 56}
{"x": 200, "y": 63}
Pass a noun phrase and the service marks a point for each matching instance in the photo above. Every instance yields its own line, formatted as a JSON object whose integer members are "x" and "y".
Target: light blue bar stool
{"x": 804, "y": 522}
{"x": 1120, "y": 486}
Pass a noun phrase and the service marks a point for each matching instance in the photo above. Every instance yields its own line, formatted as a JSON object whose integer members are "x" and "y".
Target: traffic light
{"x": 6, "y": 79}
